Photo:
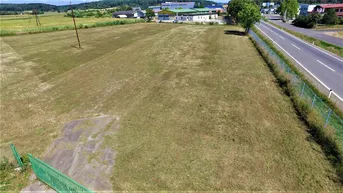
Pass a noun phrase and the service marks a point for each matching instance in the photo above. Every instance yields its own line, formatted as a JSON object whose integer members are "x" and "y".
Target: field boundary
{"x": 4, "y": 32}
{"x": 327, "y": 131}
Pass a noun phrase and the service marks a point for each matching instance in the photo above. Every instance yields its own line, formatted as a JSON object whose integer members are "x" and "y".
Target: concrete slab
{"x": 81, "y": 154}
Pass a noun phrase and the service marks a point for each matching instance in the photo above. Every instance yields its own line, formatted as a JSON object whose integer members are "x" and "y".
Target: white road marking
{"x": 326, "y": 65}
{"x": 294, "y": 59}
{"x": 272, "y": 31}
{"x": 296, "y": 47}
{"x": 337, "y": 96}
{"x": 306, "y": 43}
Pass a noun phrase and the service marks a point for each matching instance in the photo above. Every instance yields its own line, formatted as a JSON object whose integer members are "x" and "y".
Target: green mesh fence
{"x": 17, "y": 156}
{"x": 54, "y": 178}
{"x": 330, "y": 119}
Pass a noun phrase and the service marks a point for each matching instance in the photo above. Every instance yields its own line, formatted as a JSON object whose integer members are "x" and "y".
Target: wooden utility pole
{"x": 35, "y": 12}
{"x": 77, "y": 34}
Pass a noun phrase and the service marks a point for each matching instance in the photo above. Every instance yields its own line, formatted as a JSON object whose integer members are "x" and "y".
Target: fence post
{"x": 314, "y": 99}
{"x": 330, "y": 93}
{"x": 302, "y": 90}
{"x": 327, "y": 118}
{"x": 17, "y": 156}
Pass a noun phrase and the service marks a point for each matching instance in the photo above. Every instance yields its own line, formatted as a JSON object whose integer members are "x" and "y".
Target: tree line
{"x": 7, "y": 7}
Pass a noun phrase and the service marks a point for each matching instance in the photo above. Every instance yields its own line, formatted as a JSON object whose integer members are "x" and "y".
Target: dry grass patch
{"x": 199, "y": 109}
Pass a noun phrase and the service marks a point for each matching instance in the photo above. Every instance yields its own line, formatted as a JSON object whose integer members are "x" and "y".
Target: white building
{"x": 306, "y": 9}
{"x": 199, "y": 17}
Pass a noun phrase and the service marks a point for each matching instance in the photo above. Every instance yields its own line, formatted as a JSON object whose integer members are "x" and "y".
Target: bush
{"x": 309, "y": 21}
{"x": 330, "y": 18}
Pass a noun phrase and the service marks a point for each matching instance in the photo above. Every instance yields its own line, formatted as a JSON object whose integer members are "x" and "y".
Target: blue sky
{"x": 62, "y": 2}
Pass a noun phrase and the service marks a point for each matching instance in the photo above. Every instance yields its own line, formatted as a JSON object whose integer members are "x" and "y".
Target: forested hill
{"x": 91, "y": 5}
{"x": 113, "y": 3}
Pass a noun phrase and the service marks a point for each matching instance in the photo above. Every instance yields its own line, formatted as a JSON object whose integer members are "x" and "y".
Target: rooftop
{"x": 183, "y": 10}
{"x": 194, "y": 10}
{"x": 328, "y": 6}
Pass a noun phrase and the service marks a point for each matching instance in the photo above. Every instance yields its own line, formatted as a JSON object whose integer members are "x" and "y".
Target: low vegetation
{"x": 198, "y": 110}
{"x": 325, "y": 45}
{"x": 308, "y": 21}
{"x": 57, "y": 22}
{"x": 329, "y": 142}
{"x": 11, "y": 177}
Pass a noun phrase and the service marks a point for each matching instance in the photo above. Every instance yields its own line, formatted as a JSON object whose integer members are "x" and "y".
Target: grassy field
{"x": 19, "y": 24}
{"x": 199, "y": 109}
{"x": 23, "y": 22}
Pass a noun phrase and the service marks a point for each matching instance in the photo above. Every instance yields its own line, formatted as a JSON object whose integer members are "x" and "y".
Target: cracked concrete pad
{"x": 81, "y": 154}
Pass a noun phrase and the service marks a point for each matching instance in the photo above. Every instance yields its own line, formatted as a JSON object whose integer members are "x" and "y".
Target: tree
{"x": 235, "y": 6}
{"x": 330, "y": 18}
{"x": 149, "y": 14}
{"x": 288, "y": 9}
{"x": 249, "y": 15}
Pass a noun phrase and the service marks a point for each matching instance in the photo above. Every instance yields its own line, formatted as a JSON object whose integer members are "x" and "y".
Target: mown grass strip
{"x": 321, "y": 135}
{"x": 323, "y": 44}
{"x": 68, "y": 27}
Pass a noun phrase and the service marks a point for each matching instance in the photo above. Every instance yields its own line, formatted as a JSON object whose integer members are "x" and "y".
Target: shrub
{"x": 309, "y": 21}
{"x": 7, "y": 32}
{"x": 330, "y": 18}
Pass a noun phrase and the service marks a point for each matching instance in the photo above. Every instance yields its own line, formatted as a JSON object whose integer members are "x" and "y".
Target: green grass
{"x": 53, "y": 22}
{"x": 199, "y": 109}
{"x": 325, "y": 45}
{"x": 327, "y": 27}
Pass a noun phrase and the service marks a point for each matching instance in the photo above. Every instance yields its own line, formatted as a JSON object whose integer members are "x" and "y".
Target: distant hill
{"x": 92, "y": 5}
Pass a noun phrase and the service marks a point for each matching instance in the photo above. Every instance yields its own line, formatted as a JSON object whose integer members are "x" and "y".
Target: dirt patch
{"x": 335, "y": 34}
{"x": 81, "y": 154}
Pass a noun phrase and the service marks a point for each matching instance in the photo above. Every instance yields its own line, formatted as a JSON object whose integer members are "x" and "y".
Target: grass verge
{"x": 10, "y": 178}
{"x": 323, "y": 44}
{"x": 329, "y": 144}
{"x": 9, "y": 32}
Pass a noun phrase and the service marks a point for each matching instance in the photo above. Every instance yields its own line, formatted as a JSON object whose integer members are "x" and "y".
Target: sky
{"x": 52, "y": 2}
{"x": 64, "y": 2}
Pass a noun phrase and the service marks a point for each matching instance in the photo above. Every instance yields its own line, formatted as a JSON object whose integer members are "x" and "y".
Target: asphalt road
{"x": 324, "y": 66}
{"x": 312, "y": 33}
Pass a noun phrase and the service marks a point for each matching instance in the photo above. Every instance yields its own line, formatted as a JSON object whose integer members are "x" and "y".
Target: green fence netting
{"x": 54, "y": 178}
{"x": 17, "y": 156}
{"x": 330, "y": 119}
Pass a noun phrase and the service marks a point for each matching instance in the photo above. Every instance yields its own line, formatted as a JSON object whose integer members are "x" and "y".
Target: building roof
{"x": 214, "y": 7}
{"x": 178, "y": 2}
{"x": 124, "y": 12}
{"x": 202, "y": 9}
{"x": 183, "y": 10}
{"x": 328, "y": 6}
